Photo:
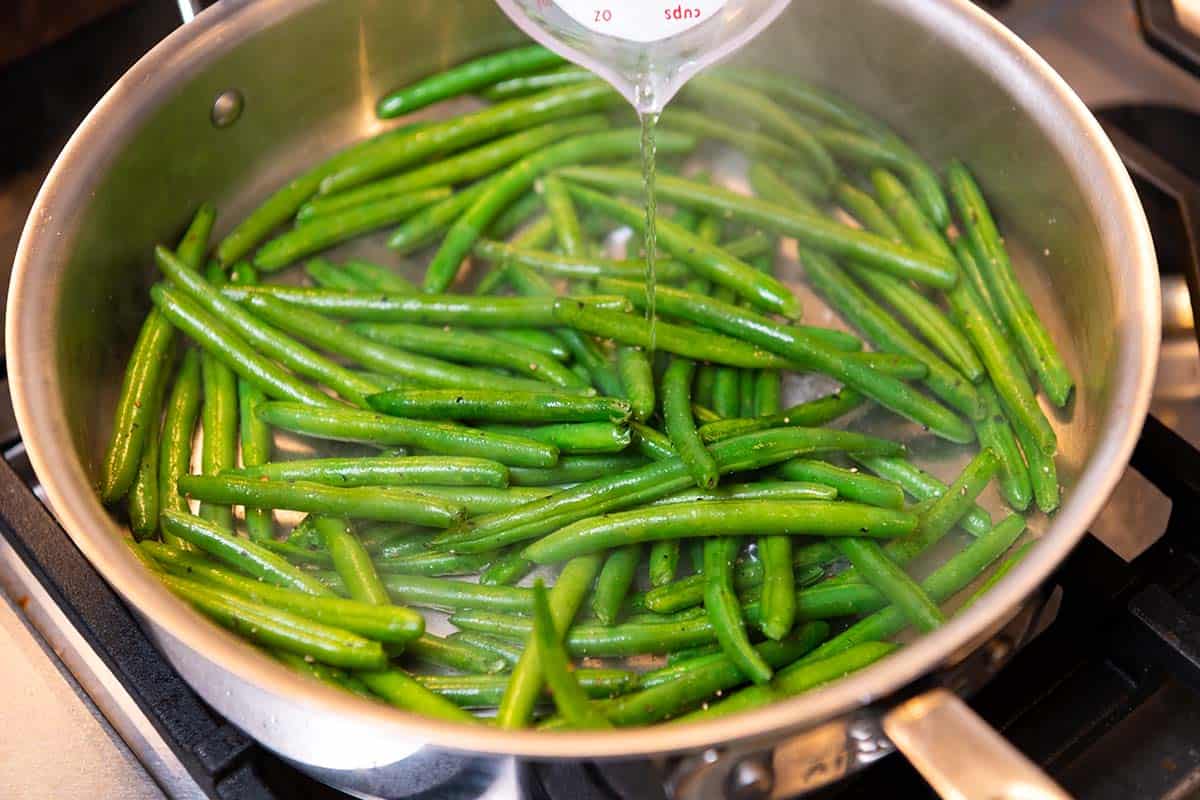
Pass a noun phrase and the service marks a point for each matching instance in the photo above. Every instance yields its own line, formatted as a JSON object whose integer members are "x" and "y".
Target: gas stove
{"x": 1106, "y": 698}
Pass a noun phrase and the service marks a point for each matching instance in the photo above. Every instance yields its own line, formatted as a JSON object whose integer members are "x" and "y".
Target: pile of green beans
{"x": 518, "y": 447}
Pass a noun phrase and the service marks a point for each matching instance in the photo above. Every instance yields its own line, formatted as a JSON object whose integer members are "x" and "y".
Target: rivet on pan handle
{"x": 960, "y": 755}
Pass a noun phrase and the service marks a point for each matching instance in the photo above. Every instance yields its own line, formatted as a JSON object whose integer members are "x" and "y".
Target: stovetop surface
{"x": 1107, "y": 699}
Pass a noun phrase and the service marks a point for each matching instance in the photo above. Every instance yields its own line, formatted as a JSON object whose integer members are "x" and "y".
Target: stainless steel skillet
{"x": 308, "y": 72}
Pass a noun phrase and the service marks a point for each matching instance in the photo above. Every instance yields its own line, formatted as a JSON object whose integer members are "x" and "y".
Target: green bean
{"x": 924, "y": 486}
{"x": 465, "y": 78}
{"x": 451, "y": 595}
{"x": 651, "y": 443}
{"x": 411, "y": 542}
{"x": 179, "y": 427}
{"x": 809, "y": 414}
{"x": 465, "y": 166}
{"x": 383, "y": 623}
{"x": 649, "y": 483}
{"x": 208, "y": 301}
{"x": 304, "y": 553}
{"x": 499, "y": 406}
{"x": 771, "y": 186}
{"x": 135, "y": 407}
{"x": 809, "y": 229}
{"x": 220, "y": 421}
{"x": 519, "y": 177}
{"x": 522, "y": 85}
{"x": 484, "y": 500}
{"x": 726, "y": 380}
{"x": 383, "y": 471}
{"x": 892, "y": 582}
{"x": 633, "y": 329}
{"x": 724, "y": 612}
{"x": 352, "y": 562}
{"x": 323, "y": 232}
{"x": 506, "y": 650}
{"x": 368, "y": 502}
{"x": 958, "y": 571}
{"x": 699, "y": 679}
{"x": 967, "y": 306}
{"x": 339, "y": 339}
{"x": 568, "y": 695}
{"x": 485, "y": 691}
{"x": 802, "y": 676}
{"x": 601, "y": 641}
{"x": 509, "y": 221}
{"x": 720, "y": 518}
{"x": 400, "y": 689}
{"x": 144, "y": 498}
{"x": 374, "y": 276}
{"x": 526, "y": 682}
{"x": 664, "y": 562}
{"x": 616, "y": 578}
{"x": 995, "y": 433}
{"x": 708, "y": 127}
{"x": 681, "y": 427}
{"x": 536, "y": 340}
{"x": 637, "y": 379}
{"x": 810, "y": 353}
{"x": 1016, "y": 309}
{"x": 470, "y": 348}
{"x": 241, "y": 554}
{"x": 711, "y": 90}
{"x": 706, "y": 260}
{"x": 433, "y": 564}
{"x": 578, "y": 438}
{"x": 422, "y": 228}
{"x": 857, "y": 307}
{"x": 561, "y": 210}
{"x": 584, "y": 350}
{"x": 574, "y": 266}
{"x": 455, "y": 654}
{"x": 280, "y": 629}
{"x": 480, "y": 312}
{"x": 998, "y": 573}
{"x": 506, "y": 570}
{"x": 323, "y": 673}
{"x": 849, "y": 484}
{"x": 748, "y": 575}
{"x": 575, "y": 469}
{"x": 778, "y": 586}
{"x": 759, "y": 490}
{"x": 256, "y": 450}
{"x": 1043, "y": 474}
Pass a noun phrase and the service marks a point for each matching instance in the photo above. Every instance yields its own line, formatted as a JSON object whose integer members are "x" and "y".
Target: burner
{"x": 1169, "y": 33}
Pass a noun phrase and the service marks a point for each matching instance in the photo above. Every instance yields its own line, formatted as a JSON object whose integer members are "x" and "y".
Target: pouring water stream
{"x": 647, "y": 50}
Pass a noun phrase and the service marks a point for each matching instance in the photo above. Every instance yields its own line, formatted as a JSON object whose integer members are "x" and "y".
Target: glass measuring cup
{"x": 647, "y": 49}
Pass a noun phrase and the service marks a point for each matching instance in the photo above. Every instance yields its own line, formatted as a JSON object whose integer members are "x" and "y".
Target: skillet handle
{"x": 960, "y": 755}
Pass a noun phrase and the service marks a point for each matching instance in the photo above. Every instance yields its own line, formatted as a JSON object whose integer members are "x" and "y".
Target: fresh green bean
{"x": 280, "y": 629}
{"x": 565, "y": 598}
{"x": 577, "y": 438}
{"x": 748, "y": 141}
{"x": 523, "y": 85}
{"x": 664, "y": 562}
{"x": 144, "y": 497}
{"x": 434, "y": 564}
{"x": 423, "y": 227}
{"x": 802, "y": 676}
{"x": 499, "y": 406}
{"x": 352, "y": 562}
{"x": 711, "y": 90}
{"x": 998, "y": 573}
{"x": 748, "y": 575}
{"x": 651, "y": 443}
{"x": 536, "y": 340}
{"x": 681, "y": 427}
{"x": 616, "y": 578}
{"x": 724, "y": 612}
{"x": 633, "y": 329}
{"x": 778, "y": 586}
{"x": 465, "y": 166}
{"x": 809, "y": 414}
{"x": 451, "y": 595}
{"x": 400, "y": 689}
{"x": 772, "y": 187}
{"x": 508, "y": 651}
{"x": 1034, "y": 341}
{"x": 561, "y": 210}
{"x": 517, "y": 179}
{"x": 601, "y": 641}
{"x": 454, "y": 653}
{"x": 506, "y": 570}
{"x": 368, "y": 502}
{"x": 383, "y": 623}
{"x": 923, "y": 486}
{"x": 810, "y": 353}
{"x": 996, "y": 434}
{"x": 849, "y": 484}
{"x": 575, "y": 469}
{"x": 892, "y": 582}
{"x": 485, "y": 691}
{"x": 470, "y": 348}
{"x": 465, "y": 310}
{"x": 383, "y": 471}
{"x": 569, "y": 696}
{"x": 256, "y": 451}
{"x": 220, "y": 420}
{"x": 699, "y": 679}
{"x": 323, "y": 673}
{"x": 809, "y": 229}
{"x": 969, "y": 312}
{"x": 857, "y": 307}
{"x": 759, "y": 490}
{"x": 705, "y": 259}
{"x": 1043, "y": 474}
{"x": 958, "y": 571}
{"x": 179, "y": 427}
{"x": 720, "y": 518}
{"x": 483, "y": 499}
{"x": 649, "y": 483}
{"x": 637, "y": 379}
{"x": 339, "y": 339}
{"x": 321, "y": 233}
{"x": 575, "y": 266}
{"x": 465, "y": 78}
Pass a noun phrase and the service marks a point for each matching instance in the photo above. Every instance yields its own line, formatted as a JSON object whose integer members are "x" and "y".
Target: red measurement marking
{"x": 603, "y": 15}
